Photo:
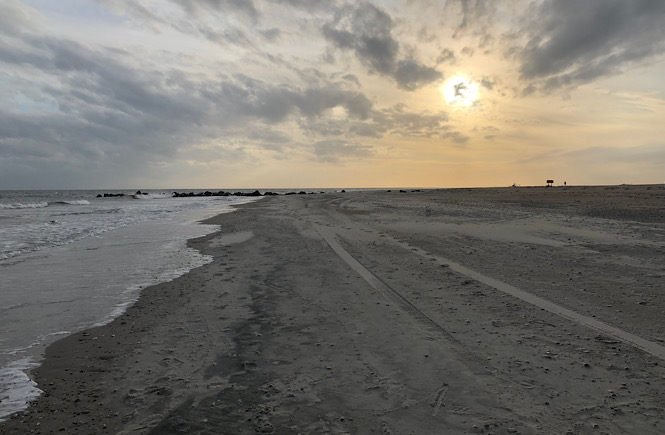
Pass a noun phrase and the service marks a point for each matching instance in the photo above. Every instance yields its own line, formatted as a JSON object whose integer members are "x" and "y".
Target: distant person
{"x": 564, "y": 183}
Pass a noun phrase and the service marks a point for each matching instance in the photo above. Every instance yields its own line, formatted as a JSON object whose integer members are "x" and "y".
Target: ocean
{"x": 70, "y": 260}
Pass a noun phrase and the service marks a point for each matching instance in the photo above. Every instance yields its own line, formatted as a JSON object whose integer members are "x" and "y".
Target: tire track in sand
{"x": 329, "y": 235}
{"x": 391, "y": 295}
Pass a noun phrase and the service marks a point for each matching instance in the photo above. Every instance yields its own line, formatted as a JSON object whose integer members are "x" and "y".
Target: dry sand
{"x": 362, "y": 312}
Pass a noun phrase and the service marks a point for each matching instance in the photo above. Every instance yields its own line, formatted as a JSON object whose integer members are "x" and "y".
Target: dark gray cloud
{"x": 271, "y": 34}
{"x": 367, "y": 129}
{"x": 352, "y": 78}
{"x": 325, "y": 127}
{"x": 486, "y": 41}
{"x": 111, "y": 112}
{"x": 307, "y": 5}
{"x": 200, "y": 8}
{"x": 273, "y": 104}
{"x": 393, "y": 121}
{"x": 335, "y": 150}
{"x": 411, "y": 75}
{"x": 446, "y": 56}
{"x": 468, "y": 51}
{"x": 399, "y": 121}
{"x": 488, "y": 82}
{"x": 366, "y": 30}
{"x": 456, "y": 136}
{"x": 572, "y": 42}
{"x": 473, "y": 16}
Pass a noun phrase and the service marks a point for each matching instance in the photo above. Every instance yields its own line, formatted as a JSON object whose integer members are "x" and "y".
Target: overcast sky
{"x": 324, "y": 93}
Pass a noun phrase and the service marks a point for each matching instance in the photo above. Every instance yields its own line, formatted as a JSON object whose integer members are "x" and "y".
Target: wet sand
{"x": 512, "y": 310}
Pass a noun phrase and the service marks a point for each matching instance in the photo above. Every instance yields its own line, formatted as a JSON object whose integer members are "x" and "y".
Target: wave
{"x": 72, "y": 202}
{"x": 18, "y": 205}
{"x": 13, "y": 307}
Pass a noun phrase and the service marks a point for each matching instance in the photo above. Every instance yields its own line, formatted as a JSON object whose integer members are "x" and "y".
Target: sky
{"x": 325, "y": 93}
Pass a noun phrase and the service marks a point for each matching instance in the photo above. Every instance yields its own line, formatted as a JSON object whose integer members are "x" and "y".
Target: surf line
{"x": 650, "y": 347}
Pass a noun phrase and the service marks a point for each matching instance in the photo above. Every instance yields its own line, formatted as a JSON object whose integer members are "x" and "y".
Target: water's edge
{"x": 17, "y": 375}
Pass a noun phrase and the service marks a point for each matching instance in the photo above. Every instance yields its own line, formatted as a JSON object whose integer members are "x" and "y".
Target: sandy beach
{"x": 480, "y": 311}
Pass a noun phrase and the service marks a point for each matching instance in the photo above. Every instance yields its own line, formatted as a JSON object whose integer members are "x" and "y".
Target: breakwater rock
{"x": 218, "y": 193}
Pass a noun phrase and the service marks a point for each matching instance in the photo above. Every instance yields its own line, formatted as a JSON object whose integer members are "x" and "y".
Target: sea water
{"x": 70, "y": 260}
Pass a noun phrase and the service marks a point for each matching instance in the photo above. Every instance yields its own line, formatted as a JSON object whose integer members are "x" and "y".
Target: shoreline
{"x": 74, "y": 285}
{"x": 279, "y": 334}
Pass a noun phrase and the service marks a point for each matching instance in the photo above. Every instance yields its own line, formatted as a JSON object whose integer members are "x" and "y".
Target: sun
{"x": 459, "y": 91}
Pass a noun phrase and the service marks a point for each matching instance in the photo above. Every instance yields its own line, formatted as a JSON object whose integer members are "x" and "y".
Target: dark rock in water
{"x": 99, "y": 195}
{"x": 255, "y": 193}
{"x": 183, "y": 194}
{"x": 389, "y": 190}
{"x": 302, "y": 193}
{"x": 417, "y": 190}
{"x": 270, "y": 194}
{"x": 113, "y": 195}
{"x": 402, "y": 191}
{"x": 343, "y": 191}
{"x": 218, "y": 193}
{"x": 290, "y": 193}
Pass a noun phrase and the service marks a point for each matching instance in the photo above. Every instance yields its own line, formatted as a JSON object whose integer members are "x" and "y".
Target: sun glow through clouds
{"x": 459, "y": 91}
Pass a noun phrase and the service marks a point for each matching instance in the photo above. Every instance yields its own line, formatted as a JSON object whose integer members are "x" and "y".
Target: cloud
{"x": 352, "y": 78}
{"x": 111, "y": 110}
{"x": 307, "y": 5}
{"x": 473, "y": 16}
{"x": 13, "y": 17}
{"x": 488, "y": 83}
{"x": 572, "y": 42}
{"x": 411, "y": 75}
{"x": 366, "y": 30}
{"x": 274, "y": 103}
{"x": 446, "y": 56}
{"x": 486, "y": 41}
{"x": 367, "y": 129}
{"x": 456, "y": 137}
{"x": 271, "y": 34}
{"x": 398, "y": 121}
{"x": 222, "y": 22}
{"x": 201, "y": 8}
{"x": 334, "y": 150}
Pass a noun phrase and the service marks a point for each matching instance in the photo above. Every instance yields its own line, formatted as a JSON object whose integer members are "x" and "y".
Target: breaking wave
{"x": 19, "y": 205}
{"x": 72, "y": 202}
